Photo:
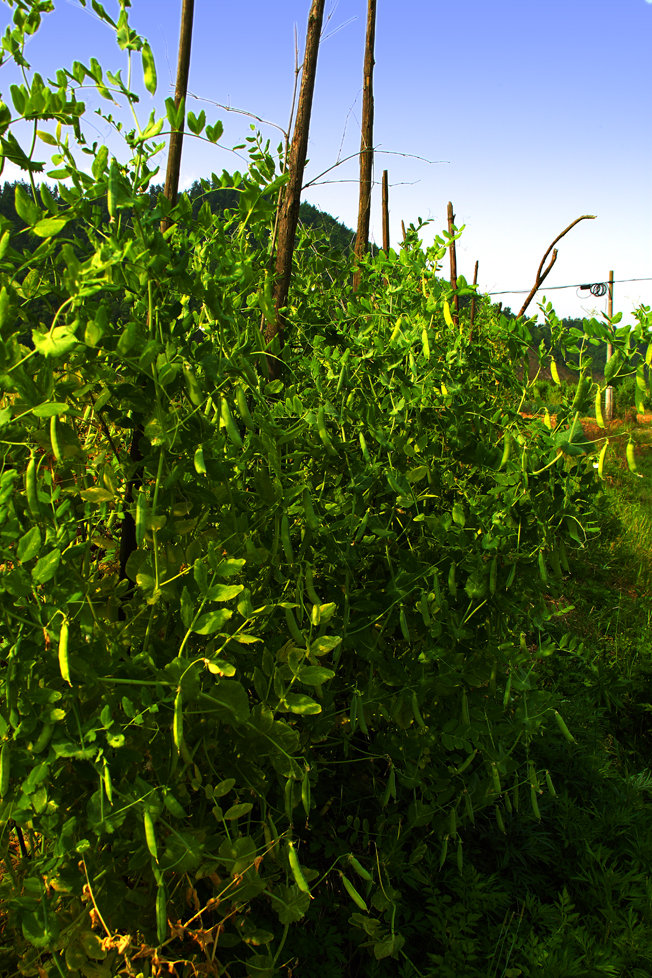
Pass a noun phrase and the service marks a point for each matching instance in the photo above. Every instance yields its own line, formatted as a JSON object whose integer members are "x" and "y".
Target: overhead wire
{"x": 601, "y": 288}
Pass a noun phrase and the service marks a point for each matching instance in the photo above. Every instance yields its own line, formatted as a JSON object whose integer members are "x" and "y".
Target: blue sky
{"x": 542, "y": 112}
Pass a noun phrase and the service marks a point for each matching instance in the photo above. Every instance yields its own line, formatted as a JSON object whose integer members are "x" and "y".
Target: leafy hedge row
{"x": 313, "y": 669}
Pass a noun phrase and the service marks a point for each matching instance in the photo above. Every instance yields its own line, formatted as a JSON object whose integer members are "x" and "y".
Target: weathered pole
{"x": 403, "y": 230}
{"x": 475, "y": 282}
{"x": 453, "y": 257}
{"x": 366, "y": 144}
{"x": 289, "y": 216}
{"x": 609, "y": 393}
{"x": 385, "y": 212}
{"x": 128, "y": 540}
{"x": 180, "y": 93}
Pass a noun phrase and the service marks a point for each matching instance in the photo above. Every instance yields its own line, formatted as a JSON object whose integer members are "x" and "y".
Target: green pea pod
{"x": 405, "y": 631}
{"x": 629, "y": 452}
{"x": 150, "y": 835}
{"x": 112, "y": 188}
{"x": 192, "y": 387}
{"x": 418, "y": 719}
{"x": 551, "y": 787}
{"x": 293, "y": 628}
{"x": 362, "y": 720}
{"x": 310, "y": 586}
{"x": 54, "y": 439}
{"x": 499, "y": 820}
{"x": 43, "y": 738}
{"x": 161, "y": 912}
{"x": 177, "y": 721}
{"x": 64, "y": 665}
{"x": 507, "y": 450}
{"x": 297, "y": 872}
{"x": 149, "y": 68}
{"x": 229, "y": 423}
{"x": 311, "y": 519}
{"x": 444, "y": 851}
{"x": 598, "y": 408}
{"x": 285, "y": 539}
{"x": 305, "y": 793}
{"x": 353, "y": 893}
{"x": 493, "y": 576}
{"x": 359, "y": 869}
{"x": 31, "y": 492}
{"x": 108, "y": 786}
{"x": 460, "y": 856}
{"x": 323, "y": 432}
{"x": 563, "y": 728}
{"x": 243, "y": 407}
{"x": 5, "y": 769}
{"x": 535, "y": 802}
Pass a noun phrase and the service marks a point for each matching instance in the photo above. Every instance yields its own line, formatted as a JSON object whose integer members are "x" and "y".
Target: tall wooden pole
{"x": 609, "y": 393}
{"x": 289, "y": 217}
{"x": 453, "y": 257}
{"x": 475, "y": 282}
{"x": 385, "y": 212}
{"x": 366, "y": 143}
{"x": 180, "y": 93}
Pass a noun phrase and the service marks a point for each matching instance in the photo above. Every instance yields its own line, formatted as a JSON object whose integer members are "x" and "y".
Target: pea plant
{"x": 265, "y": 643}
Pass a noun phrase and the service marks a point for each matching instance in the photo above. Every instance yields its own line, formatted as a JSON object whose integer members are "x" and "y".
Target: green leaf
{"x": 45, "y": 568}
{"x": 324, "y": 644}
{"x": 233, "y": 697}
{"x": 57, "y": 342}
{"x": 49, "y": 226}
{"x": 237, "y": 811}
{"x": 50, "y": 408}
{"x": 29, "y": 545}
{"x": 301, "y": 704}
{"x": 290, "y": 903}
{"x": 315, "y": 675}
{"x": 211, "y": 621}
{"x": 25, "y": 206}
{"x": 223, "y": 592}
{"x": 97, "y": 495}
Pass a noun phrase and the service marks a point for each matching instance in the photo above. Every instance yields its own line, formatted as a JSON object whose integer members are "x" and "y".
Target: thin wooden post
{"x": 366, "y": 144}
{"x": 385, "y": 212}
{"x": 475, "y": 282}
{"x": 180, "y": 93}
{"x": 453, "y": 258}
{"x": 289, "y": 216}
{"x": 609, "y": 393}
{"x": 403, "y": 230}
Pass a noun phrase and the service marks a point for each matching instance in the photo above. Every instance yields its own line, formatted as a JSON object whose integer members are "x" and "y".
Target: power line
{"x": 577, "y": 285}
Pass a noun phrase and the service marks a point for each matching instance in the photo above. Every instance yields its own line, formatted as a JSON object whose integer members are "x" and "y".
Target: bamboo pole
{"x": 385, "y": 212}
{"x": 403, "y": 230}
{"x": 180, "y": 93}
{"x": 453, "y": 258}
{"x": 366, "y": 144}
{"x": 609, "y": 393}
{"x": 289, "y": 216}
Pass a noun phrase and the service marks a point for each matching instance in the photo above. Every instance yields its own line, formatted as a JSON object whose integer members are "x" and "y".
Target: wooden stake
{"x": 541, "y": 274}
{"x": 289, "y": 217}
{"x": 403, "y": 230}
{"x": 385, "y": 212}
{"x": 366, "y": 143}
{"x": 453, "y": 257}
{"x": 475, "y": 282}
{"x": 609, "y": 393}
{"x": 180, "y": 93}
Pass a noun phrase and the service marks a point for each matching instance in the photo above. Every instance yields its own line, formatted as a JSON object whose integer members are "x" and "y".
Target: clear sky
{"x": 542, "y": 112}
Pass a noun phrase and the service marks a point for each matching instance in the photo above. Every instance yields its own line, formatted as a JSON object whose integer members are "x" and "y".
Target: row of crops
{"x": 270, "y": 647}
